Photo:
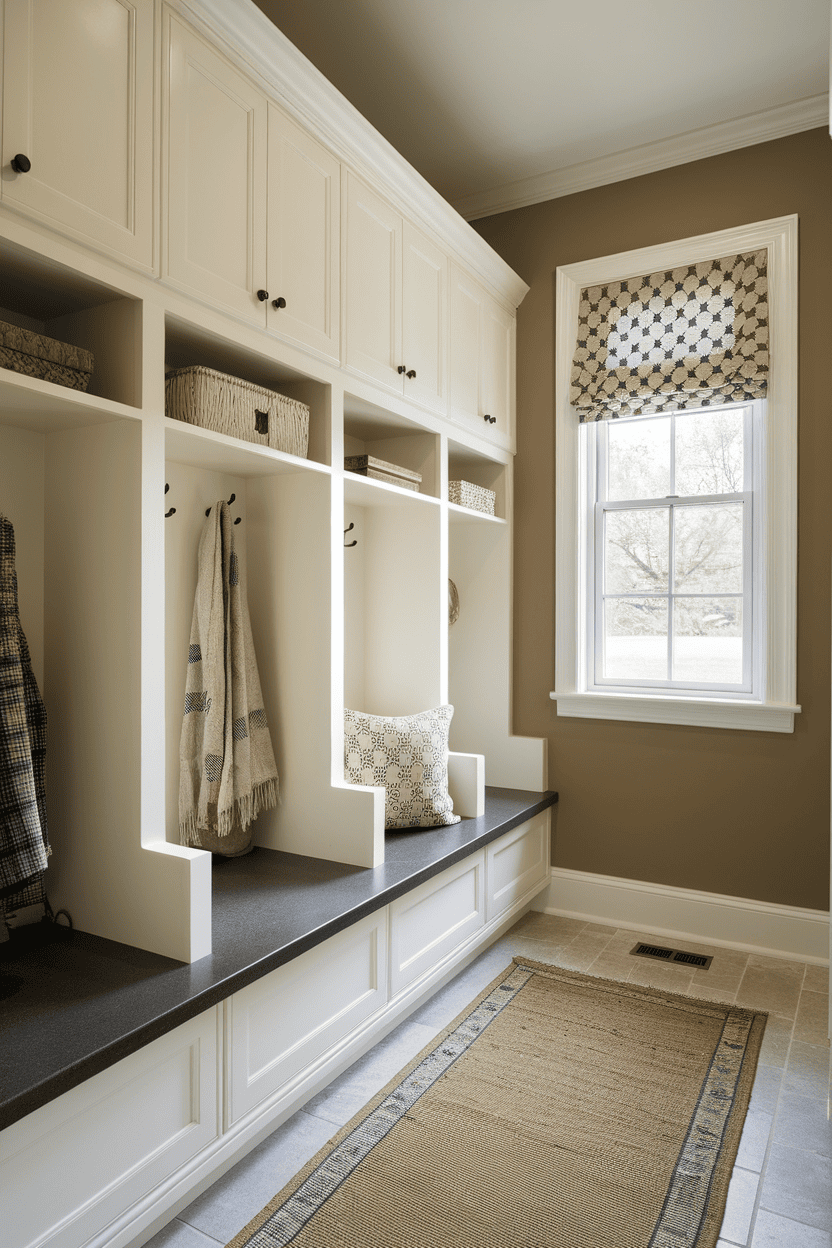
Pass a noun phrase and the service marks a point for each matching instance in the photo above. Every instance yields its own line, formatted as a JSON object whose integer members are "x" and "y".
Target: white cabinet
{"x": 516, "y": 864}
{"x": 283, "y": 1022}
{"x": 106, "y": 1144}
{"x": 304, "y": 221}
{"x": 482, "y": 360}
{"x": 428, "y": 923}
{"x": 79, "y": 109}
{"x": 215, "y": 193}
{"x": 396, "y": 300}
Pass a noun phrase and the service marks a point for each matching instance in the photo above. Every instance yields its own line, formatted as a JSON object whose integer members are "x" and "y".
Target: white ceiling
{"x": 495, "y": 102}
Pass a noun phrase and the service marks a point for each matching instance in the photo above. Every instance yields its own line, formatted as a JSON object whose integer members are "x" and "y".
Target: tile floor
{"x": 781, "y": 1190}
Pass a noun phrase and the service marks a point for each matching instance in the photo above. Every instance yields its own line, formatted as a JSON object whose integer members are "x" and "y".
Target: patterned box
{"x": 35, "y": 355}
{"x": 381, "y": 470}
{"x": 475, "y": 497}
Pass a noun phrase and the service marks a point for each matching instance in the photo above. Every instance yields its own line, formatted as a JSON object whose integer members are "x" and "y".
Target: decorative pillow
{"x": 408, "y": 754}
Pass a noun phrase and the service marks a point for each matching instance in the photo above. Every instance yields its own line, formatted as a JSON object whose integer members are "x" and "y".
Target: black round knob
{"x": 262, "y": 295}
{"x": 402, "y": 369}
{"x": 411, "y": 373}
{"x": 279, "y": 303}
{"x": 21, "y": 163}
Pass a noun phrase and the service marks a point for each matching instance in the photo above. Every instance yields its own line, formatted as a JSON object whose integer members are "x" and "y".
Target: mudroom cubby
{"x": 62, "y": 303}
{"x": 373, "y": 430}
{"x": 467, "y": 464}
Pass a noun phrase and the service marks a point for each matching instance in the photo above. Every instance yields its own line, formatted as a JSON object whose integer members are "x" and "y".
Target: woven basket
{"x": 476, "y": 497}
{"x": 35, "y": 355}
{"x": 202, "y": 396}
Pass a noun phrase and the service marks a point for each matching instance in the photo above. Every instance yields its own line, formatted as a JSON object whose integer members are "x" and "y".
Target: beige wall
{"x": 742, "y": 813}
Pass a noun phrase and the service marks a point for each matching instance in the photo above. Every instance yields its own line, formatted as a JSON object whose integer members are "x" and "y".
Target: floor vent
{"x": 699, "y": 960}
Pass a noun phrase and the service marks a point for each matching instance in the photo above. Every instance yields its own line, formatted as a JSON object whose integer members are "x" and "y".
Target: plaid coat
{"x": 24, "y": 846}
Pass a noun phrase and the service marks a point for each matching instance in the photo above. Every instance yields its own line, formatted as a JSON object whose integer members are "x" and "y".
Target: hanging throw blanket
{"x": 24, "y": 845}
{"x": 227, "y": 772}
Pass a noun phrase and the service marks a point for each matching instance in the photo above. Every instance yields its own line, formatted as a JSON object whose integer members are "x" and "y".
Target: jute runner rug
{"x": 557, "y": 1111}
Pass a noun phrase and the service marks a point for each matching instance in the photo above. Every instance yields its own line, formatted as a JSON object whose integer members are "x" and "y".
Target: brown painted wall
{"x": 742, "y": 813}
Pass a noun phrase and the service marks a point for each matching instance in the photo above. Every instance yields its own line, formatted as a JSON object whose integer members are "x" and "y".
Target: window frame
{"x": 771, "y": 704}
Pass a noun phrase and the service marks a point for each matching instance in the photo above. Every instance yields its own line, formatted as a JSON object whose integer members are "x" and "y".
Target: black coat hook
{"x": 173, "y": 509}
{"x": 230, "y": 501}
{"x": 347, "y": 530}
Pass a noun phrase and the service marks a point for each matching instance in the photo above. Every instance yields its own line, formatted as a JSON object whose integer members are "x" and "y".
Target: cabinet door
{"x": 517, "y": 865}
{"x": 78, "y": 103}
{"x": 497, "y": 368}
{"x": 434, "y": 919}
{"x": 303, "y": 237}
{"x": 373, "y": 286}
{"x": 425, "y": 320}
{"x": 216, "y": 178}
{"x": 466, "y": 349}
{"x": 287, "y": 1020}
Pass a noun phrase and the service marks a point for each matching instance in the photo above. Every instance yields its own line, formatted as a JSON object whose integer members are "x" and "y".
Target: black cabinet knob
{"x": 262, "y": 295}
{"x": 279, "y": 303}
{"x": 490, "y": 420}
{"x": 402, "y": 369}
{"x": 21, "y": 163}
{"x": 411, "y": 373}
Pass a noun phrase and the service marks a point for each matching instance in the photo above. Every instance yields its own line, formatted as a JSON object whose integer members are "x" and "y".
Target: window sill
{"x": 657, "y": 709}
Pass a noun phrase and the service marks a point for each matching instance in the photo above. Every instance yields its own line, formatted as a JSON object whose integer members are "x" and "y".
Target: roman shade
{"x": 688, "y": 337}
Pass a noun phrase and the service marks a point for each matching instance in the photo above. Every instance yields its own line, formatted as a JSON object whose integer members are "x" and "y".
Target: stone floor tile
{"x": 798, "y": 1185}
{"x": 725, "y": 972}
{"x": 804, "y": 1122}
{"x": 659, "y": 975}
{"x": 816, "y": 978}
{"x": 526, "y": 947}
{"x": 710, "y": 994}
{"x": 773, "y": 1231}
{"x": 812, "y": 1022}
{"x": 442, "y": 1008}
{"x": 739, "y": 1207}
{"x": 807, "y": 1069}
{"x": 552, "y": 927}
{"x": 178, "y": 1235}
{"x": 242, "y": 1192}
{"x": 776, "y": 1040}
{"x": 754, "y": 1140}
{"x": 600, "y": 929}
{"x": 768, "y": 1082}
{"x": 772, "y": 985}
{"x": 576, "y": 958}
{"x": 611, "y": 965}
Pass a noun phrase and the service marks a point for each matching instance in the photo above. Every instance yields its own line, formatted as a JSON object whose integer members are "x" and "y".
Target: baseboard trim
{"x": 735, "y": 922}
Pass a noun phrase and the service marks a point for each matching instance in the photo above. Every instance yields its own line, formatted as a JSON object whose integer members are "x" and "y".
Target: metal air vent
{"x": 699, "y": 960}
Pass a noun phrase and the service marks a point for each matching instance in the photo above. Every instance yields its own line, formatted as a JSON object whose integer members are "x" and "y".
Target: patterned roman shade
{"x": 686, "y": 337}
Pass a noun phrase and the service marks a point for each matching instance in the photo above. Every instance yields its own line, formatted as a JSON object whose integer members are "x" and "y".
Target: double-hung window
{"x": 676, "y": 503}
{"x": 670, "y": 552}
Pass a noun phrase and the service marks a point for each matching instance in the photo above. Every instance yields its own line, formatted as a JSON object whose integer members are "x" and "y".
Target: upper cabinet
{"x": 78, "y": 120}
{"x": 304, "y": 224}
{"x": 215, "y": 242}
{"x": 396, "y": 300}
{"x": 253, "y": 202}
{"x": 482, "y": 360}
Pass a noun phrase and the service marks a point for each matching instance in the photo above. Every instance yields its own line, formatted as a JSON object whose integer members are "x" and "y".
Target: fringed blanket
{"x": 227, "y": 772}
{"x": 24, "y": 845}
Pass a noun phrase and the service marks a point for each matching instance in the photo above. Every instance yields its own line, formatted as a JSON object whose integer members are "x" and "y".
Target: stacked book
{"x": 381, "y": 470}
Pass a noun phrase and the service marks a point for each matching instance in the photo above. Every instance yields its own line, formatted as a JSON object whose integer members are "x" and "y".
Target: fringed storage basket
{"x": 202, "y": 396}
{"x": 35, "y": 355}
{"x": 475, "y": 497}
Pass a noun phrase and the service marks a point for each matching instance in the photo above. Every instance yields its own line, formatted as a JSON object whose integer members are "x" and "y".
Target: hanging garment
{"x": 24, "y": 845}
{"x": 227, "y": 772}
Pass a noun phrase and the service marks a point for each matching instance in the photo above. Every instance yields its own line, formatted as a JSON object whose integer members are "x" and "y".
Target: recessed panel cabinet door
{"x": 216, "y": 178}
{"x": 425, "y": 321}
{"x": 304, "y": 223}
{"x": 78, "y": 105}
{"x": 373, "y": 286}
{"x": 498, "y": 370}
{"x": 466, "y": 348}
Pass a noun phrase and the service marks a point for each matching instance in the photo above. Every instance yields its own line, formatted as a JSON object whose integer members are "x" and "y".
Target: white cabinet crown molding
{"x": 308, "y": 96}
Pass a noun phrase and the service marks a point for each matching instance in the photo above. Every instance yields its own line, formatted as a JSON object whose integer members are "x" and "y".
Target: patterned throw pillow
{"x": 408, "y": 754}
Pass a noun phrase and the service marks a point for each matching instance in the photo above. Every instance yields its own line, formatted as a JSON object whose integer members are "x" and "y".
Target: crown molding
{"x": 256, "y": 44}
{"x": 725, "y": 136}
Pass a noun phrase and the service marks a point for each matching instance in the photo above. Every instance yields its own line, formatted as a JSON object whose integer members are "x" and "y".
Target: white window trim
{"x": 775, "y": 709}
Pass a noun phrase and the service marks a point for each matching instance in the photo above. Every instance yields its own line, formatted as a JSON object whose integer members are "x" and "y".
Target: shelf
{"x": 203, "y": 448}
{"x": 29, "y": 403}
{"x": 366, "y": 492}
{"x": 466, "y": 515}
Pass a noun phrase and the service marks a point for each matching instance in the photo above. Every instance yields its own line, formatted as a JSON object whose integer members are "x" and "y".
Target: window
{"x": 676, "y": 525}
